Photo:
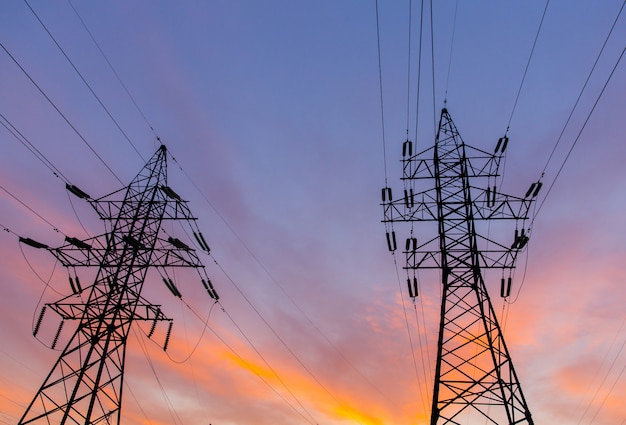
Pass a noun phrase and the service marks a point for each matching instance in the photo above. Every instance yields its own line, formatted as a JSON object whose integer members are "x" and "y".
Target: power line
{"x": 119, "y": 79}
{"x": 22, "y": 203}
{"x": 607, "y": 394}
{"x": 151, "y": 127}
{"x": 380, "y": 85}
{"x": 206, "y": 326}
{"x": 595, "y": 394}
{"x": 419, "y": 72}
{"x": 273, "y": 279}
{"x": 432, "y": 65}
{"x": 84, "y": 81}
{"x": 280, "y": 339}
{"x": 582, "y": 90}
{"x": 408, "y": 330}
{"x": 60, "y": 113}
{"x": 519, "y": 91}
{"x": 274, "y": 372}
{"x": 578, "y": 136}
{"x": 456, "y": 8}
{"x": 170, "y": 406}
{"x": 197, "y": 187}
{"x": 32, "y": 148}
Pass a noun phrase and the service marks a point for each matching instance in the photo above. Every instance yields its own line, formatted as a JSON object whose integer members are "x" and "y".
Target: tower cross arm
{"x": 168, "y": 253}
{"x": 501, "y": 207}
{"x": 78, "y": 252}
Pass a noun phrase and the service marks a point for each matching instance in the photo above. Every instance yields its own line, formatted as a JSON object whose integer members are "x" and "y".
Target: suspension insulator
{"x": 78, "y": 287}
{"x": 152, "y": 328}
{"x": 412, "y": 285}
{"x": 493, "y": 196}
{"x": 536, "y": 192}
{"x": 505, "y": 142}
{"x": 407, "y": 149}
{"x": 167, "y": 336}
{"x": 200, "y": 239}
{"x": 530, "y": 190}
{"x": 523, "y": 240}
{"x": 56, "y": 337}
{"x": 515, "y": 239}
{"x": 112, "y": 284}
{"x": 386, "y": 194}
{"x": 72, "y": 286}
{"x": 132, "y": 242}
{"x": 173, "y": 289}
{"x": 77, "y": 243}
{"x": 178, "y": 243}
{"x": 505, "y": 287}
{"x": 409, "y": 198}
{"x": 76, "y": 191}
{"x": 205, "y": 245}
{"x": 39, "y": 320}
{"x": 169, "y": 192}
{"x": 391, "y": 241}
{"x": 411, "y": 244}
{"x": 498, "y": 145}
{"x": 33, "y": 243}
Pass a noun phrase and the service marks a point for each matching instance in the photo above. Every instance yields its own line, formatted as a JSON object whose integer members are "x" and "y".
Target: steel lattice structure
{"x": 454, "y": 185}
{"x": 85, "y": 384}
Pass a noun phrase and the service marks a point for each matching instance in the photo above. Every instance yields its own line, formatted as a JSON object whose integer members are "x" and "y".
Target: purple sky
{"x": 273, "y": 110}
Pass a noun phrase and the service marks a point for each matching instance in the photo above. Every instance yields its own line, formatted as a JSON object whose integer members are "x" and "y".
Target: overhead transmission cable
{"x": 423, "y": 397}
{"x": 32, "y": 148}
{"x": 280, "y": 339}
{"x": 569, "y": 152}
{"x": 411, "y": 346}
{"x": 200, "y": 191}
{"x": 380, "y": 87}
{"x": 168, "y": 402}
{"x": 84, "y": 81}
{"x": 22, "y": 203}
{"x": 532, "y": 50}
{"x": 119, "y": 79}
{"x": 582, "y": 90}
{"x": 432, "y": 65}
{"x": 456, "y": 8}
{"x": 283, "y": 383}
{"x": 419, "y": 73}
{"x": 537, "y": 209}
{"x": 606, "y": 396}
{"x": 408, "y": 71}
{"x": 272, "y": 278}
{"x": 240, "y": 357}
{"x": 417, "y": 120}
{"x": 56, "y": 108}
{"x": 606, "y": 375}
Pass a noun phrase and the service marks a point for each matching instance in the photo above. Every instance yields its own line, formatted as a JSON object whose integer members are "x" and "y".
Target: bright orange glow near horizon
{"x": 281, "y": 133}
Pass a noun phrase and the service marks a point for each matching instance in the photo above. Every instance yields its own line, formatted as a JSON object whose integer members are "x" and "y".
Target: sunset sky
{"x": 272, "y": 111}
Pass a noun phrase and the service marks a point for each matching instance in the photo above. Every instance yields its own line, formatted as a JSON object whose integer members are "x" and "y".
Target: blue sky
{"x": 273, "y": 111}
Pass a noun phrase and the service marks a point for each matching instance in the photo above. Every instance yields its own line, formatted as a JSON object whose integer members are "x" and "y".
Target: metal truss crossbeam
{"x": 474, "y": 374}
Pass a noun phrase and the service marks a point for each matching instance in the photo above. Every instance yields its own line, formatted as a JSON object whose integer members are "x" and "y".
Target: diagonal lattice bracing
{"x": 85, "y": 384}
{"x": 454, "y": 185}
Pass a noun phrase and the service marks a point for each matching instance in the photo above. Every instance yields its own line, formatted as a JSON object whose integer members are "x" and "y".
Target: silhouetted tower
{"x": 85, "y": 384}
{"x": 454, "y": 185}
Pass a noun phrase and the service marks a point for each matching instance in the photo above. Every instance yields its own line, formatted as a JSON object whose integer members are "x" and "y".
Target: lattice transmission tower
{"x": 86, "y": 383}
{"x": 455, "y": 186}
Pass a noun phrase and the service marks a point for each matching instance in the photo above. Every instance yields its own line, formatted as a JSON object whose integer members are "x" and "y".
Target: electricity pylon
{"x": 454, "y": 185}
{"x": 85, "y": 384}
